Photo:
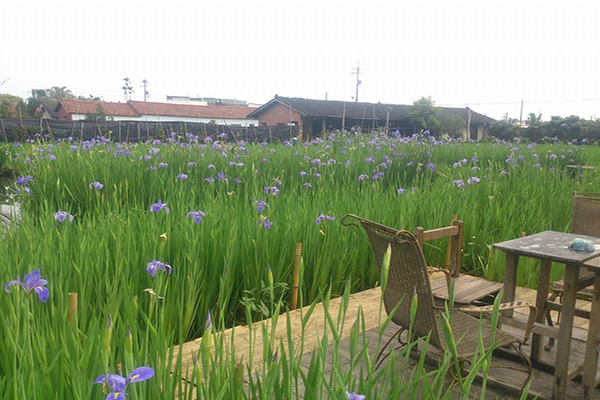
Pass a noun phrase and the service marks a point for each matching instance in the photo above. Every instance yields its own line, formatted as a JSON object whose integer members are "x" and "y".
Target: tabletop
{"x": 550, "y": 245}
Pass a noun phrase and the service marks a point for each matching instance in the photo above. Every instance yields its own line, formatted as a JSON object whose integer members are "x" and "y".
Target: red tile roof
{"x": 189, "y": 110}
{"x": 137, "y": 108}
{"x": 110, "y": 108}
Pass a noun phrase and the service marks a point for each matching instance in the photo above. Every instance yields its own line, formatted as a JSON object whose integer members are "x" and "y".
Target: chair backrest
{"x": 455, "y": 233}
{"x": 586, "y": 214}
{"x": 407, "y": 274}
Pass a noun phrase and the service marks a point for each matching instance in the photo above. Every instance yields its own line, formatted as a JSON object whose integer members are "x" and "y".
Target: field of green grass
{"x": 233, "y": 214}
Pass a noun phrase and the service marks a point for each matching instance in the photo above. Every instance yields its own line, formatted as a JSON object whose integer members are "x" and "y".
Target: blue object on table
{"x": 582, "y": 246}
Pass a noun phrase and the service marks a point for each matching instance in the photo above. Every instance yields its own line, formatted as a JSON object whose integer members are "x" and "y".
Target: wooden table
{"x": 551, "y": 247}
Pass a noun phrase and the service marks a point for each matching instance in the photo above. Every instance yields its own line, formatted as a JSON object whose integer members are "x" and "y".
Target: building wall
{"x": 279, "y": 114}
{"x": 62, "y": 113}
{"x": 158, "y": 118}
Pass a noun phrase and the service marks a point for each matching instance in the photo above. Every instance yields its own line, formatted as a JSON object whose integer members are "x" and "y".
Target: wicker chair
{"x": 585, "y": 220}
{"x": 467, "y": 289}
{"x": 408, "y": 274}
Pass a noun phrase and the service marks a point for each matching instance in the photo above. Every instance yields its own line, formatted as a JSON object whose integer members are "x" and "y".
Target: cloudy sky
{"x": 488, "y": 54}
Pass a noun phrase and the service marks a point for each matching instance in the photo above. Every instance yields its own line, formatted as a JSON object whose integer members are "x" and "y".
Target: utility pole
{"x": 145, "y": 84}
{"x": 358, "y": 81}
{"x": 521, "y": 114}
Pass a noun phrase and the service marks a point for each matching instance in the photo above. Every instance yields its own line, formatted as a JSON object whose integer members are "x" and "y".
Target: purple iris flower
{"x": 163, "y": 165}
{"x": 210, "y": 179}
{"x": 237, "y": 180}
{"x": 153, "y": 266}
{"x": 302, "y": 173}
{"x": 323, "y": 217}
{"x": 274, "y": 190}
{"x": 307, "y": 184}
{"x": 260, "y": 205}
{"x": 369, "y": 160}
{"x": 458, "y": 183}
{"x": 33, "y": 282}
{"x": 355, "y": 396}
{"x": 96, "y": 185}
{"x": 22, "y": 180}
{"x": 472, "y": 180}
{"x": 401, "y": 191}
{"x": 61, "y": 216}
{"x": 362, "y": 177}
{"x": 159, "y": 206}
{"x": 474, "y": 159}
{"x": 118, "y": 384}
{"x": 537, "y": 165}
{"x": 26, "y": 190}
{"x": 197, "y": 215}
{"x": 266, "y": 223}
{"x": 181, "y": 177}
{"x": 222, "y": 177}
{"x": 192, "y": 164}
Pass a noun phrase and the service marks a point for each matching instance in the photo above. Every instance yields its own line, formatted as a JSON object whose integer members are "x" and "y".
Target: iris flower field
{"x": 165, "y": 240}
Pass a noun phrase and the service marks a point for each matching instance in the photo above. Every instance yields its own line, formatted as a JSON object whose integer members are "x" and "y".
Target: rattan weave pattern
{"x": 586, "y": 214}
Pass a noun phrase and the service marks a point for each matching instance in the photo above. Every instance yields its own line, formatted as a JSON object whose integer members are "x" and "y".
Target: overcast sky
{"x": 486, "y": 54}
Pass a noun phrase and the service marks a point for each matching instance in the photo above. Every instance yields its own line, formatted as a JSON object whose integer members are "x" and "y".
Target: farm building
{"x": 314, "y": 117}
{"x": 151, "y": 111}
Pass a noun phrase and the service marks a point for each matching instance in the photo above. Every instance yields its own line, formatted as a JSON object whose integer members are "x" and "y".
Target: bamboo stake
{"x": 296, "y": 275}
{"x": 72, "y": 307}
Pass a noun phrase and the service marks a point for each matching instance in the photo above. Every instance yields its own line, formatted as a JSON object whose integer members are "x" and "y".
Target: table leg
{"x": 590, "y": 364}
{"x": 563, "y": 349}
{"x": 510, "y": 281}
{"x": 543, "y": 286}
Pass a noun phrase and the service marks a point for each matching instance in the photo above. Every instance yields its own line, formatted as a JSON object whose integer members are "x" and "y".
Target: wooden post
{"x": 591, "y": 349}
{"x": 297, "y": 257}
{"x": 147, "y": 131}
{"x": 4, "y": 131}
{"x": 81, "y": 132}
{"x": 120, "y": 139}
{"x": 543, "y": 286}
{"x": 510, "y": 281}
{"x": 449, "y": 247}
{"x": 72, "y": 307}
{"x": 139, "y": 135}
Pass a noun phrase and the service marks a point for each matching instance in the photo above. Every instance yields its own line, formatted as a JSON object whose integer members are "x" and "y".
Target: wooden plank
{"x": 543, "y": 287}
{"x": 510, "y": 281}
{"x": 246, "y": 338}
{"x": 591, "y": 350}
{"x": 440, "y": 233}
{"x": 563, "y": 351}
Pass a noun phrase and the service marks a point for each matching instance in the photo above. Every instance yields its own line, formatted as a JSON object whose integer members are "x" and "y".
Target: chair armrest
{"x": 508, "y": 306}
{"x": 447, "y": 275}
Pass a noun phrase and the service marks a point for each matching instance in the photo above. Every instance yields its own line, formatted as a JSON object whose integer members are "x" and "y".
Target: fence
{"x": 136, "y": 131}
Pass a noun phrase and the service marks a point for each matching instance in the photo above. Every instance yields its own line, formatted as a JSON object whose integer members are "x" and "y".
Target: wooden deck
{"x": 306, "y": 340}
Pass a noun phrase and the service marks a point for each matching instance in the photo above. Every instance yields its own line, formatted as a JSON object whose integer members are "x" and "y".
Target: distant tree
{"x": 424, "y": 115}
{"x": 505, "y": 128}
{"x": 534, "y": 130}
{"x": 50, "y": 98}
{"x": 12, "y": 107}
{"x": 127, "y": 89}
{"x": 452, "y": 124}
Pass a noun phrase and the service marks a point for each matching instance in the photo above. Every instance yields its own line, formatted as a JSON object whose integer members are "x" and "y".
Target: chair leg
{"x": 527, "y": 362}
{"x": 399, "y": 334}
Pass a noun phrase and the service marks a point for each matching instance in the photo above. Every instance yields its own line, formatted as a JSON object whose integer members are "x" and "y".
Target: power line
{"x": 519, "y": 102}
